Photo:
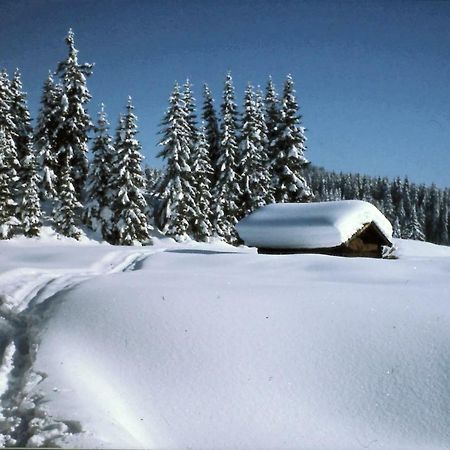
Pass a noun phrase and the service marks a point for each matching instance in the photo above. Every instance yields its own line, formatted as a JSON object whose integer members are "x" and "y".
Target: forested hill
{"x": 416, "y": 211}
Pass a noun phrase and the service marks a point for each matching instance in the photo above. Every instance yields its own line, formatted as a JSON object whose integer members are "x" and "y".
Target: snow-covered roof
{"x": 309, "y": 225}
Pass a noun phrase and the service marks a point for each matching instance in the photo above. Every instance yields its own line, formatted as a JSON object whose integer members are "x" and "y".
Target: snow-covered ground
{"x": 210, "y": 346}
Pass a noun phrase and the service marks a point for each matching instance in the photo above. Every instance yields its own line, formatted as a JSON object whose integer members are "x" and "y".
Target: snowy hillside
{"x": 211, "y": 346}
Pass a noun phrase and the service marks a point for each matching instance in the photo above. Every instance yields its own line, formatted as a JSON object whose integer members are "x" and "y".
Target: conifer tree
{"x": 261, "y": 126}
{"x": 74, "y": 126}
{"x": 8, "y": 179}
{"x": 253, "y": 170}
{"x": 413, "y": 229}
{"x": 22, "y": 121}
{"x": 226, "y": 193}
{"x": 6, "y": 118}
{"x": 30, "y": 208}
{"x": 45, "y": 136}
{"x": 176, "y": 209}
{"x": 432, "y": 208}
{"x": 97, "y": 214}
{"x": 289, "y": 161}
{"x": 212, "y": 130}
{"x": 406, "y": 196}
{"x": 189, "y": 104}
{"x": 201, "y": 167}
{"x": 401, "y": 215}
{"x": 442, "y": 228}
{"x": 388, "y": 206}
{"x": 129, "y": 209}
{"x": 272, "y": 118}
{"x": 397, "y": 191}
{"x": 396, "y": 228}
{"x": 67, "y": 206}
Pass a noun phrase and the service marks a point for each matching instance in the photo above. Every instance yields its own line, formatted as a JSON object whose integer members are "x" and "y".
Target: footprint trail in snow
{"x": 27, "y": 297}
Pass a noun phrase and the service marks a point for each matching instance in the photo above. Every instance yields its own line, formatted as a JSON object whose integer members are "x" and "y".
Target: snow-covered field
{"x": 210, "y": 346}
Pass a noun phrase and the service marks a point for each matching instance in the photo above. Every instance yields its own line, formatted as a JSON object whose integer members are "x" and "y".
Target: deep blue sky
{"x": 372, "y": 78}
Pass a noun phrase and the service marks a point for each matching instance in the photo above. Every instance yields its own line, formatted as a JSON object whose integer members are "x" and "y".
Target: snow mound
{"x": 309, "y": 225}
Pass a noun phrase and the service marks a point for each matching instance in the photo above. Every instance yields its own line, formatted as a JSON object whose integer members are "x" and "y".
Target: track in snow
{"x": 25, "y": 305}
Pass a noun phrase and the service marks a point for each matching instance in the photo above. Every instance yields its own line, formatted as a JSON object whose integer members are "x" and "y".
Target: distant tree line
{"x": 416, "y": 211}
{"x": 219, "y": 165}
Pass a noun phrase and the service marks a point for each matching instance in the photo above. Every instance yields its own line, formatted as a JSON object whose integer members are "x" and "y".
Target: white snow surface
{"x": 309, "y": 225}
{"x": 210, "y": 346}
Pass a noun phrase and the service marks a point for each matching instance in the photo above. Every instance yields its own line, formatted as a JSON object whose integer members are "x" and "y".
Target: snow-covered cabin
{"x": 346, "y": 228}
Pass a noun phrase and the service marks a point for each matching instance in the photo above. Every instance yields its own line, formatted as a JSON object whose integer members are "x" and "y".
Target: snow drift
{"x": 209, "y": 346}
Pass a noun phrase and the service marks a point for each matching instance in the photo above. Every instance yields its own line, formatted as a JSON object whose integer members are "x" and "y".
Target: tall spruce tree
{"x": 212, "y": 130}
{"x": 99, "y": 196}
{"x": 227, "y": 193}
{"x": 22, "y": 123}
{"x": 202, "y": 170}
{"x": 67, "y": 207}
{"x": 289, "y": 160}
{"x": 442, "y": 227}
{"x": 253, "y": 172}
{"x": 261, "y": 126}
{"x": 129, "y": 209}
{"x": 8, "y": 178}
{"x": 189, "y": 104}
{"x": 176, "y": 208}
{"x": 413, "y": 229}
{"x": 45, "y": 137}
{"x": 28, "y": 203}
{"x": 75, "y": 124}
{"x": 273, "y": 118}
{"x": 6, "y": 117}
{"x": 30, "y": 212}
{"x": 432, "y": 208}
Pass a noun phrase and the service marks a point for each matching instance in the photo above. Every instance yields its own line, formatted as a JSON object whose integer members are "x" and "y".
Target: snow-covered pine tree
{"x": 226, "y": 208}
{"x": 401, "y": 215}
{"x": 252, "y": 164}
{"x": 176, "y": 209}
{"x": 28, "y": 203}
{"x": 74, "y": 126}
{"x": 261, "y": 126}
{"x": 397, "y": 191}
{"x": 201, "y": 184}
{"x": 365, "y": 189}
{"x": 99, "y": 197}
{"x": 388, "y": 206}
{"x": 396, "y": 228}
{"x": 129, "y": 209}
{"x": 189, "y": 104}
{"x": 406, "y": 195}
{"x": 44, "y": 137}
{"x": 67, "y": 206}
{"x": 432, "y": 208}
{"x": 212, "y": 130}
{"x": 8, "y": 179}
{"x": 30, "y": 213}
{"x": 289, "y": 161}
{"x": 152, "y": 177}
{"x": 22, "y": 121}
{"x": 272, "y": 118}
{"x": 442, "y": 228}
{"x": 6, "y": 118}
{"x": 413, "y": 229}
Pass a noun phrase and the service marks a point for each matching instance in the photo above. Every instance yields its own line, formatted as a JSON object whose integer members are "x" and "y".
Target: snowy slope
{"x": 309, "y": 225}
{"x": 208, "y": 346}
